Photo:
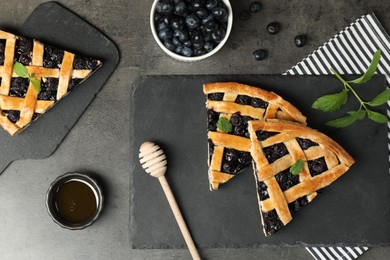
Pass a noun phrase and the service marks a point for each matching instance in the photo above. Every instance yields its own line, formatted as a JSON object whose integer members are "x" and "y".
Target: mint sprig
{"x": 333, "y": 102}
{"x": 22, "y": 71}
{"x": 224, "y": 125}
{"x": 297, "y": 167}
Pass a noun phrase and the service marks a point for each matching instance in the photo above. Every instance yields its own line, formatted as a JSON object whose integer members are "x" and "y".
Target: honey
{"x": 75, "y": 201}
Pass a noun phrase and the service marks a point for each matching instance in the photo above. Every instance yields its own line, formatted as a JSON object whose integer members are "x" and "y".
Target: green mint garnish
{"x": 224, "y": 125}
{"x": 297, "y": 167}
{"x": 22, "y": 71}
{"x": 333, "y": 102}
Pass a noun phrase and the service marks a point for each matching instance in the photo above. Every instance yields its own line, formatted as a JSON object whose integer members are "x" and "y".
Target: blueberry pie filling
{"x": 44, "y": 75}
{"x": 276, "y": 145}
{"x": 238, "y": 104}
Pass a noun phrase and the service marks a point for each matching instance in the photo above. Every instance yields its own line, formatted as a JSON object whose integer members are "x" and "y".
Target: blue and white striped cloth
{"x": 349, "y": 52}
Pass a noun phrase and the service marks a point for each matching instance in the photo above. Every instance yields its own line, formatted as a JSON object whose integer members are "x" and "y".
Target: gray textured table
{"x": 99, "y": 141}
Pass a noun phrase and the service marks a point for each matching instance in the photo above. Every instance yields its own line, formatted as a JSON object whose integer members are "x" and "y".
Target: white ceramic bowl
{"x": 194, "y": 58}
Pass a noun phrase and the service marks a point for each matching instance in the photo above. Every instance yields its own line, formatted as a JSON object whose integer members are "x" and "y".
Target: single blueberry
{"x": 259, "y": 54}
{"x": 255, "y": 6}
{"x": 169, "y": 45}
{"x": 208, "y": 46}
{"x": 219, "y": 13}
{"x": 165, "y": 34}
{"x": 300, "y": 40}
{"x": 218, "y": 35}
{"x": 188, "y": 52}
{"x": 164, "y": 7}
{"x": 161, "y": 25}
{"x": 207, "y": 18}
{"x": 188, "y": 44}
{"x": 167, "y": 19}
{"x": 197, "y": 37}
{"x": 202, "y": 13}
{"x": 183, "y": 35}
{"x": 210, "y": 4}
{"x": 199, "y": 51}
{"x": 177, "y": 23}
{"x": 273, "y": 28}
{"x": 244, "y": 15}
{"x": 180, "y": 7}
{"x": 210, "y": 26}
{"x": 192, "y": 21}
{"x": 179, "y": 49}
{"x": 235, "y": 119}
{"x": 176, "y": 41}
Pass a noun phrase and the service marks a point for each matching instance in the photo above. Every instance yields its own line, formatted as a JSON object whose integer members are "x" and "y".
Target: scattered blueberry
{"x": 245, "y": 15}
{"x": 254, "y": 6}
{"x": 273, "y": 28}
{"x": 300, "y": 40}
{"x": 260, "y": 54}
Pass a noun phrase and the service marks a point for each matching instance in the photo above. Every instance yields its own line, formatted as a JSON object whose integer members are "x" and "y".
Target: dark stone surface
{"x": 70, "y": 32}
{"x": 170, "y": 111}
{"x": 100, "y": 139}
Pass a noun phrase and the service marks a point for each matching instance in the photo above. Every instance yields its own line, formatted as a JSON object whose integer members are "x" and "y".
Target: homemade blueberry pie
{"x": 276, "y": 147}
{"x": 230, "y": 106}
{"x": 34, "y": 76}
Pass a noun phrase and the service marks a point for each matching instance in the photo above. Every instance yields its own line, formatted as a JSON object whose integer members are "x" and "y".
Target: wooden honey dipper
{"x": 153, "y": 161}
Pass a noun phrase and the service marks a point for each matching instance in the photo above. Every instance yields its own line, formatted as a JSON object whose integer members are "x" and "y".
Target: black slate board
{"x": 54, "y": 24}
{"x": 169, "y": 110}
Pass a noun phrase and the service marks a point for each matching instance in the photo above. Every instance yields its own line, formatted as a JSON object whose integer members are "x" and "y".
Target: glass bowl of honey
{"x": 74, "y": 200}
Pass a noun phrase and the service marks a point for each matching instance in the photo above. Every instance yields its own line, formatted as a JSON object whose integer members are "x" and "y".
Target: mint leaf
{"x": 370, "y": 71}
{"x": 380, "y": 99}
{"x": 224, "y": 125}
{"x": 360, "y": 114}
{"x": 331, "y": 102}
{"x": 377, "y": 117}
{"x": 352, "y": 117}
{"x": 20, "y": 70}
{"x": 297, "y": 167}
{"x": 36, "y": 83}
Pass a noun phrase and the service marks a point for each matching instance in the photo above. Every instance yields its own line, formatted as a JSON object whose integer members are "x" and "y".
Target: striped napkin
{"x": 349, "y": 52}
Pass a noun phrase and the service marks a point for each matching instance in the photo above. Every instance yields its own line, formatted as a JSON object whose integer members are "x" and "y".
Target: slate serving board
{"x": 54, "y": 24}
{"x": 169, "y": 110}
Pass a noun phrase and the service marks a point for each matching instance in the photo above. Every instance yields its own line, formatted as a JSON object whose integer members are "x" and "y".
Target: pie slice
{"x": 276, "y": 145}
{"x": 55, "y": 73}
{"x": 238, "y": 103}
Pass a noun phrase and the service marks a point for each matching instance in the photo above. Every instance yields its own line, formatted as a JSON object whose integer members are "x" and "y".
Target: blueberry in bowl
{"x": 191, "y": 30}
